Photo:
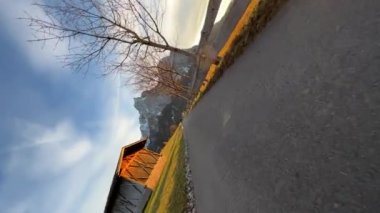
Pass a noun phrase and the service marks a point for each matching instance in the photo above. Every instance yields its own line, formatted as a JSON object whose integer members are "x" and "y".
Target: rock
{"x": 159, "y": 113}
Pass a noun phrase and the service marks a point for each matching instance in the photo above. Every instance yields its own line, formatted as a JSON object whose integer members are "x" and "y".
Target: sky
{"x": 61, "y": 131}
{"x": 184, "y": 19}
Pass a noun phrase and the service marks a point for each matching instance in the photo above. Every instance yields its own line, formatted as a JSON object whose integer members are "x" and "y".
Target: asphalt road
{"x": 293, "y": 126}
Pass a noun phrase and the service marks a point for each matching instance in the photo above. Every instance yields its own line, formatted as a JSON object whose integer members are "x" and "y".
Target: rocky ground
{"x": 190, "y": 207}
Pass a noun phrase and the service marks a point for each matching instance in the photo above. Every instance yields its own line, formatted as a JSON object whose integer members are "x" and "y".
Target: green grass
{"x": 170, "y": 194}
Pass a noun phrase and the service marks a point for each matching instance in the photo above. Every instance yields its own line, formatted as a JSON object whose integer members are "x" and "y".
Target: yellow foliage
{"x": 243, "y": 21}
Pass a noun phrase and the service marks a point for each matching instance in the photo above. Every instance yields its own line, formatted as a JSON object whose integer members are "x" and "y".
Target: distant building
{"x": 135, "y": 178}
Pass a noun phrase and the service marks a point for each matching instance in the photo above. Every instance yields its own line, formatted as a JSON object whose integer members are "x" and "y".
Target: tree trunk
{"x": 171, "y": 48}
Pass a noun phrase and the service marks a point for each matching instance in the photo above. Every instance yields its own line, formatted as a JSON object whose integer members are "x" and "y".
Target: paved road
{"x": 293, "y": 126}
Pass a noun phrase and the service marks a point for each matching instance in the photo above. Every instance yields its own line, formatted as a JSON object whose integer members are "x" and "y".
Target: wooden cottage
{"x": 135, "y": 178}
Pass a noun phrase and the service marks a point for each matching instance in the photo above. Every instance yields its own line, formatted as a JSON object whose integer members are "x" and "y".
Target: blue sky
{"x": 60, "y": 131}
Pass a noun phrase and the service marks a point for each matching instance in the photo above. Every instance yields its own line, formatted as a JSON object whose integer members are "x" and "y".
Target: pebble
{"x": 190, "y": 207}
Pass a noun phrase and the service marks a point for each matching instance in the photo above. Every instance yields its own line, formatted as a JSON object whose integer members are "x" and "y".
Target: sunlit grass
{"x": 170, "y": 194}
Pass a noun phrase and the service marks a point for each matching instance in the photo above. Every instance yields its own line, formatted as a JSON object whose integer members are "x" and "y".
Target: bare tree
{"x": 118, "y": 32}
{"x": 158, "y": 75}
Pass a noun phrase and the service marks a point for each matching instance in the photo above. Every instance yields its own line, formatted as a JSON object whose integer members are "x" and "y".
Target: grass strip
{"x": 170, "y": 194}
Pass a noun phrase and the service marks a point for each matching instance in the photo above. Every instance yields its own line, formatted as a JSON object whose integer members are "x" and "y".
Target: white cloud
{"x": 75, "y": 153}
{"x": 222, "y": 9}
{"x": 47, "y": 149}
{"x": 183, "y": 21}
{"x": 60, "y": 168}
{"x": 21, "y": 207}
{"x": 42, "y": 56}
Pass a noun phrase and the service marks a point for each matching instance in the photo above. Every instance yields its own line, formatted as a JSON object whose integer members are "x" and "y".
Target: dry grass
{"x": 170, "y": 195}
{"x": 155, "y": 175}
{"x": 254, "y": 19}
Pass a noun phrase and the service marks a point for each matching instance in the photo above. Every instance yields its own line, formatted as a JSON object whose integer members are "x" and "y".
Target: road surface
{"x": 293, "y": 126}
